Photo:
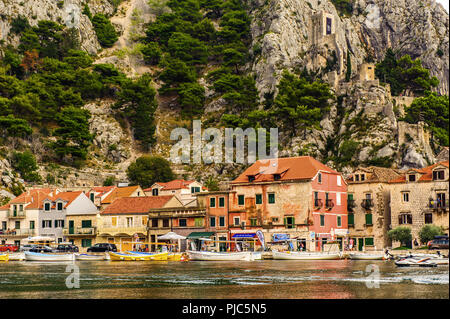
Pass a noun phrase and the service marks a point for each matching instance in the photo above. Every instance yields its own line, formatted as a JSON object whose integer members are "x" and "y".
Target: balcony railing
{"x": 351, "y": 204}
{"x": 122, "y": 230}
{"x": 367, "y": 203}
{"x": 438, "y": 204}
{"x": 329, "y": 203}
{"x": 16, "y": 214}
{"x": 17, "y": 233}
{"x": 318, "y": 202}
{"x": 80, "y": 231}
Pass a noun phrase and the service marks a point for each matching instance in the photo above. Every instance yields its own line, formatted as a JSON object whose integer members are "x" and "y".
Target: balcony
{"x": 16, "y": 214}
{"x": 367, "y": 204}
{"x": 438, "y": 205}
{"x": 317, "y": 203}
{"x": 350, "y": 204}
{"x": 130, "y": 231}
{"x": 80, "y": 231}
{"x": 329, "y": 204}
{"x": 17, "y": 233}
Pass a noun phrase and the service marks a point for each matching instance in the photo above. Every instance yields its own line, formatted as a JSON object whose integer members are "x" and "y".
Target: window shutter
{"x": 368, "y": 219}
{"x": 400, "y": 220}
{"x": 351, "y": 219}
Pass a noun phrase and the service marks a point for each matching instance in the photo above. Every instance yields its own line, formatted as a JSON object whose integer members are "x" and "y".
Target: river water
{"x": 272, "y": 279}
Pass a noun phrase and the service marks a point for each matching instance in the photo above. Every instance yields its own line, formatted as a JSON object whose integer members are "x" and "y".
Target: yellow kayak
{"x": 135, "y": 257}
{"x": 174, "y": 257}
{"x": 4, "y": 257}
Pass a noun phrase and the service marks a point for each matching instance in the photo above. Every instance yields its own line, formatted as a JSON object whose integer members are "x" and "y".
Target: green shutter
{"x": 368, "y": 241}
{"x": 322, "y": 220}
{"x": 258, "y": 199}
{"x": 271, "y": 198}
{"x": 351, "y": 219}
{"x": 339, "y": 221}
{"x": 212, "y": 202}
{"x": 86, "y": 223}
{"x": 368, "y": 219}
{"x": 241, "y": 199}
{"x": 221, "y": 201}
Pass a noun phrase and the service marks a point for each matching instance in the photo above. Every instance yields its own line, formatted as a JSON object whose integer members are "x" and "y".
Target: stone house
{"x": 119, "y": 192}
{"x": 126, "y": 219}
{"x": 368, "y": 203}
{"x": 420, "y": 197}
{"x": 184, "y": 190}
{"x": 19, "y": 218}
{"x": 296, "y": 197}
{"x": 97, "y": 194}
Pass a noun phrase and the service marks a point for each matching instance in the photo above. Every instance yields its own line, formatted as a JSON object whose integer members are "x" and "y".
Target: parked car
{"x": 41, "y": 249}
{"x": 439, "y": 242}
{"x": 26, "y": 247}
{"x": 9, "y": 247}
{"x": 67, "y": 248}
{"x": 102, "y": 247}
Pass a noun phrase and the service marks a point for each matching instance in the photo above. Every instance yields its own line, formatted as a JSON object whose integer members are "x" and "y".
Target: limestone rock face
{"x": 68, "y": 12}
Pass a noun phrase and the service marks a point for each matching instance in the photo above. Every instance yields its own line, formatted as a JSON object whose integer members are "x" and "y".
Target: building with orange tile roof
{"x": 184, "y": 190}
{"x": 295, "y": 197}
{"x": 118, "y": 192}
{"x": 126, "y": 218}
{"x": 421, "y": 197}
{"x": 98, "y": 194}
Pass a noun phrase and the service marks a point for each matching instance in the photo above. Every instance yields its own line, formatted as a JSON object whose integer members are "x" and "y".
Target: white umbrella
{"x": 171, "y": 235}
{"x": 40, "y": 238}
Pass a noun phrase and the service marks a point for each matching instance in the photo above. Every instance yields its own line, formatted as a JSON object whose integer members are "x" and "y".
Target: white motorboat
{"x": 415, "y": 262}
{"x": 215, "y": 256}
{"x": 300, "y": 255}
{"x": 30, "y": 256}
{"x": 89, "y": 257}
{"x": 368, "y": 256}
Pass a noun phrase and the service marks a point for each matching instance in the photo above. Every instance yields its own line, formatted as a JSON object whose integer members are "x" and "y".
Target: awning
{"x": 197, "y": 235}
{"x": 170, "y": 236}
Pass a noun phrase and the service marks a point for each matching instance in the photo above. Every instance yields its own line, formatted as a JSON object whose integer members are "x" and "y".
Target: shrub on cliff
{"x": 147, "y": 170}
{"x": 105, "y": 31}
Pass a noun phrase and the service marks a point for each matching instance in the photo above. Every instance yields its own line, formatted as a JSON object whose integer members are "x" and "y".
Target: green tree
{"x": 192, "y": 98}
{"x": 14, "y": 127}
{"x": 105, "y": 31}
{"x": 147, "y": 170}
{"x": 109, "y": 181}
{"x": 401, "y": 234}
{"x": 25, "y": 163}
{"x": 428, "y": 232}
{"x": 190, "y": 50}
{"x": 152, "y": 53}
{"x": 348, "y": 73}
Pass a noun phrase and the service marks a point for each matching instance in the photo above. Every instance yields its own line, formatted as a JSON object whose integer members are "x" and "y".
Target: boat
{"x": 415, "y": 262}
{"x": 30, "y": 256}
{"x": 365, "y": 256}
{"x": 17, "y": 256}
{"x": 116, "y": 256}
{"x": 299, "y": 255}
{"x": 170, "y": 256}
{"x": 4, "y": 257}
{"x": 438, "y": 259}
{"x": 85, "y": 257}
{"x": 215, "y": 256}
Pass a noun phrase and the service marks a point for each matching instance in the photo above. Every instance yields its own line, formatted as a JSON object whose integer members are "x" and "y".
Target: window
{"x": 322, "y": 220}
{"x": 319, "y": 178}
{"x": 329, "y": 21}
{"x": 251, "y": 178}
{"x": 165, "y": 222}
{"x": 212, "y": 221}
{"x": 20, "y": 208}
{"x": 428, "y": 218}
{"x": 368, "y": 196}
{"x": 31, "y": 224}
{"x": 440, "y": 200}
{"x": 363, "y": 177}
{"x": 155, "y": 192}
{"x": 195, "y": 189}
{"x": 241, "y": 200}
{"x": 129, "y": 221}
{"x": 221, "y": 201}
{"x": 258, "y": 199}
{"x": 86, "y": 242}
{"x": 59, "y": 206}
{"x": 4, "y": 226}
{"x": 144, "y": 220}
{"x": 237, "y": 221}
{"x": 412, "y": 177}
{"x": 405, "y": 197}
{"x": 86, "y": 223}
{"x": 274, "y": 219}
{"x": 91, "y": 196}
{"x": 339, "y": 221}
{"x": 405, "y": 219}
{"x": 351, "y": 219}
{"x": 272, "y": 198}
{"x": 289, "y": 222}
{"x": 276, "y": 177}
{"x": 338, "y": 180}
{"x": 17, "y": 225}
{"x": 46, "y": 224}
{"x": 222, "y": 221}
{"x": 253, "y": 221}
{"x": 198, "y": 222}
{"x": 114, "y": 221}
{"x": 356, "y": 178}
{"x": 438, "y": 175}
{"x": 338, "y": 198}
{"x": 369, "y": 219}
{"x": 47, "y": 207}
{"x": 368, "y": 241}
{"x": 182, "y": 222}
{"x": 59, "y": 223}
{"x": 212, "y": 202}
{"x": 154, "y": 222}
{"x": 15, "y": 209}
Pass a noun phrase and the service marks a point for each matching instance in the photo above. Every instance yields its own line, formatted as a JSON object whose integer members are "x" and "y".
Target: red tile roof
{"x": 32, "y": 197}
{"x": 119, "y": 192}
{"x": 68, "y": 197}
{"x": 133, "y": 205}
{"x": 289, "y": 168}
{"x": 426, "y": 173}
{"x": 172, "y": 185}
